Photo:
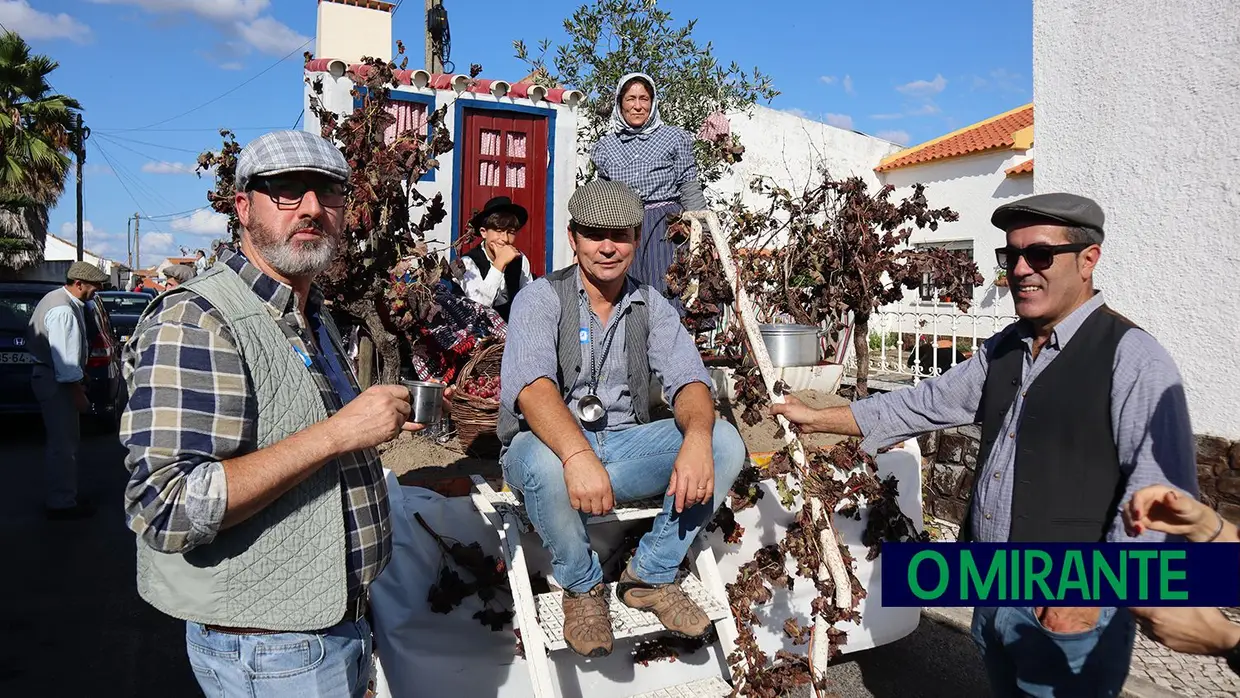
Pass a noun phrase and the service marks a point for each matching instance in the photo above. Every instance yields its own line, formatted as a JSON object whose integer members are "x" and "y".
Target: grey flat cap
{"x": 85, "y": 271}
{"x": 279, "y": 152}
{"x": 1056, "y": 208}
{"x": 180, "y": 272}
{"x": 605, "y": 204}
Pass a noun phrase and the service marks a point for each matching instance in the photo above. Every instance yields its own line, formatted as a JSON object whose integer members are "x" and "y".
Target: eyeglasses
{"x": 1040, "y": 256}
{"x": 288, "y": 193}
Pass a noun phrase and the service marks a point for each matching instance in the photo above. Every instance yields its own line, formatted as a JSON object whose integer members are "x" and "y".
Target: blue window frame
{"x": 402, "y": 96}
{"x": 458, "y": 166}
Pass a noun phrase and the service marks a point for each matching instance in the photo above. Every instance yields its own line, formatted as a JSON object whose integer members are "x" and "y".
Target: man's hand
{"x": 1189, "y": 630}
{"x": 81, "y": 400}
{"x": 693, "y": 475}
{"x": 589, "y": 485}
{"x": 504, "y": 255}
{"x": 1162, "y": 508}
{"x": 1067, "y": 620}
{"x": 374, "y": 417}
{"x": 798, "y": 413}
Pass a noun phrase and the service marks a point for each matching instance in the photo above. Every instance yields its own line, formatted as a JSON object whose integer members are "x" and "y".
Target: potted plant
{"x": 1001, "y": 278}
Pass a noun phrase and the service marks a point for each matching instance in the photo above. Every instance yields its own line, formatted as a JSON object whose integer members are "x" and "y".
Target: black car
{"x": 103, "y": 366}
{"x": 124, "y": 308}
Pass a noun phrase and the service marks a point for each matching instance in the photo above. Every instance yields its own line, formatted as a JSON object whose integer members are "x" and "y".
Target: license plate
{"x": 124, "y": 338}
{"x": 16, "y": 357}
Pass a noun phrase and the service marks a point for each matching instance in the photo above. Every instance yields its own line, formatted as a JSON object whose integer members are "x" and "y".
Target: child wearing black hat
{"x": 495, "y": 270}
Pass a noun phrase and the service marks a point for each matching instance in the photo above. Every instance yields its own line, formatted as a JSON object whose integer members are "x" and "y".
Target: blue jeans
{"x": 639, "y": 461}
{"x": 331, "y": 664}
{"x": 1023, "y": 658}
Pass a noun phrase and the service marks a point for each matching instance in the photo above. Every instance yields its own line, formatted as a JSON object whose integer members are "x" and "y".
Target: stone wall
{"x": 949, "y": 459}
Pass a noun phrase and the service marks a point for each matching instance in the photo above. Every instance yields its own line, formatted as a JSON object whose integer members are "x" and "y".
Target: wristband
{"x": 574, "y": 455}
{"x": 1218, "y": 531}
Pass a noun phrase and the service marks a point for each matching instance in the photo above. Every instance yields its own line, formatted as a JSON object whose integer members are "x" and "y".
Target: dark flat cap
{"x": 606, "y": 204}
{"x": 85, "y": 271}
{"x": 1056, "y": 208}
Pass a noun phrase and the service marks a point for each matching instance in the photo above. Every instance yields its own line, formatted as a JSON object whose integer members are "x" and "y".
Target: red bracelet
{"x": 566, "y": 460}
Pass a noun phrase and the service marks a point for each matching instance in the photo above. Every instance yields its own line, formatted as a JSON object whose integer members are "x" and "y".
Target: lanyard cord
{"x": 595, "y": 364}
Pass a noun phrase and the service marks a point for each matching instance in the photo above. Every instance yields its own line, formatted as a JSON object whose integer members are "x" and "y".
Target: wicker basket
{"x": 475, "y": 417}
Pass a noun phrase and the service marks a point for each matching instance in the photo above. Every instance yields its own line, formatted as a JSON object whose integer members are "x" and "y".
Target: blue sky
{"x": 158, "y": 78}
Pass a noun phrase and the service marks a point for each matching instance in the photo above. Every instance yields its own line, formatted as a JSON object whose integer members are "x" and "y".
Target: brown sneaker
{"x": 669, "y": 603}
{"x": 587, "y": 622}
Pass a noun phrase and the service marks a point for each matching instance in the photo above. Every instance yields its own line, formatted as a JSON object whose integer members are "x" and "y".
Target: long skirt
{"x": 655, "y": 252}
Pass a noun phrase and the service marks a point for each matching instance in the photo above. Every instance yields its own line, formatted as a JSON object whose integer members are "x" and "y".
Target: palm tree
{"x": 37, "y": 132}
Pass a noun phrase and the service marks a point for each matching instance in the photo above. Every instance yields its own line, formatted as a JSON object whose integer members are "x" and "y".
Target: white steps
{"x": 626, "y": 622}
{"x": 714, "y": 687}
{"x": 507, "y": 500}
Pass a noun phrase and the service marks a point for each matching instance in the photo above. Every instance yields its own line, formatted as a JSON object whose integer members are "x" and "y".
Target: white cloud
{"x": 900, "y": 137}
{"x": 234, "y": 65}
{"x": 797, "y": 112}
{"x": 923, "y": 88}
{"x": 20, "y": 17}
{"x": 1000, "y": 79}
{"x": 840, "y": 120}
{"x": 241, "y": 19}
{"x": 827, "y": 79}
{"x": 202, "y": 222}
{"x": 159, "y": 245}
{"x": 167, "y": 168}
{"x": 927, "y": 109}
{"x": 848, "y": 84}
{"x": 100, "y": 242}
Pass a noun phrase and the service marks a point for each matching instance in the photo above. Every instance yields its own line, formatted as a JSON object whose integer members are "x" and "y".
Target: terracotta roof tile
{"x": 1025, "y": 167}
{"x": 522, "y": 89}
{"x": 995, "y": 132}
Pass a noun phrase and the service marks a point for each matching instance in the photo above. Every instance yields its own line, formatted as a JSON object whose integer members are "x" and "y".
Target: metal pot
{"x": 425, "y": 400}
{"x": 792, "y": 345}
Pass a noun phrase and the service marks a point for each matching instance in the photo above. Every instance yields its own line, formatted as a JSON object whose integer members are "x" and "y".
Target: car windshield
{"x": 127, "y": 304}
{"x": 16, "y": 307}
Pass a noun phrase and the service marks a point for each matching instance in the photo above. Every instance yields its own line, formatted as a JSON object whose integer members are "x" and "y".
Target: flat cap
{"x": 180, "y": 272}
{"x": 279, "y": 152}
{"x": 606, "y": 204}
{"x": 85, "y": 271}
{"x": 1055, "y": 208}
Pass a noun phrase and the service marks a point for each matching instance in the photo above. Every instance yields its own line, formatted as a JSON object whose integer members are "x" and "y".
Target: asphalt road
{"x": 72, "y": 624}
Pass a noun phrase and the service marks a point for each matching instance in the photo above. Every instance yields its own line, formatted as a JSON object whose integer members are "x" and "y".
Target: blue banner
{"x": 1061, "y": 574}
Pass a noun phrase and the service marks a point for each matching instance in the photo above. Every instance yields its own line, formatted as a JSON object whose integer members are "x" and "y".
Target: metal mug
{"x": 590, "y": 409}
{"x": 425, "y": 401}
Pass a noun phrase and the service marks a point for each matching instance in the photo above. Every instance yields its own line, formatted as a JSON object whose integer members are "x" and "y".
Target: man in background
{"x": 56, "y": 337}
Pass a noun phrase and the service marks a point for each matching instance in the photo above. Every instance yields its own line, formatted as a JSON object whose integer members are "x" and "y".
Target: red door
{"x": 506, "y": 155}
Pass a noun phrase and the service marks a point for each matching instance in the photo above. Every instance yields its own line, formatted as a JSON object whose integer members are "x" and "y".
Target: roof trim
{"x": 365, "y": 4}
{"x": 908, "y": 156}
{"x": 456, "y": 82}
{"x": 1023, "y": 168}
{"x": 73, "y": 244}
{"x": 1023, "y": 139}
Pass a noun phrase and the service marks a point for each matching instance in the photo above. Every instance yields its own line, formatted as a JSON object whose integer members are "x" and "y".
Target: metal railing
{"x": 923, "y": 343}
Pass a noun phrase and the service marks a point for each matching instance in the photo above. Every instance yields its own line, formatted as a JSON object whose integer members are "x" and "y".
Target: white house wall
{"x": 1136, "y": 108}
{"x": 972, "y": 186}
{"x": 58, "y": 250}
{"x": 337, "y": 96}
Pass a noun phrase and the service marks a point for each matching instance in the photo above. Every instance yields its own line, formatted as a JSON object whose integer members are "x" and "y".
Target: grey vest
{"x": 568, "y": 351}
{"x": 36, "y": 332}
{"x": 283, "y": 568}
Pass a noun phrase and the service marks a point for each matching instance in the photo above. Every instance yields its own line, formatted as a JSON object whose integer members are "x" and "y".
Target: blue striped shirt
{"x": 530, "y": 353}
{"x": 1149, "y": 417}
{"x": 657, "y": 166}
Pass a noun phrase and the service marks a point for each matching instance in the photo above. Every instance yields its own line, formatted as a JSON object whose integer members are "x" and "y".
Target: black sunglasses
{"x": 288, "y": 193}
{"x": 1040, "y": 256}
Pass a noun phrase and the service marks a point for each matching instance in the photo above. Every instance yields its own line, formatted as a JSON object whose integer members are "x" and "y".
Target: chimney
{"x": 349, "y": 30}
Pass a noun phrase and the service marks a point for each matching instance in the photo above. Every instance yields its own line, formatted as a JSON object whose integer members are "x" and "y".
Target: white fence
{"x": 923, "y": 343}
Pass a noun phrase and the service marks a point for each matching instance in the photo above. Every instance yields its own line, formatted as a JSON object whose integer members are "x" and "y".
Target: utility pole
{"x": 137, "y": 242}
{"x": 82, "y": 135}
{"x": 435, "y": 23}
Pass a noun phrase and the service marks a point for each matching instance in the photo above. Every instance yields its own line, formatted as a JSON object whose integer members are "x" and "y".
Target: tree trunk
{"x": 861, "y": 344}
{"x": 388, "y": 354}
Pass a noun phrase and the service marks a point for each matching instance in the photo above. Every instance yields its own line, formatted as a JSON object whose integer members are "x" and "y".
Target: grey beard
{"x": 296, "y": 259}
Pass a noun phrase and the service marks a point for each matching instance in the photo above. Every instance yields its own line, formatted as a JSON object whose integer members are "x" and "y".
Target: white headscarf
{"x": 620, "y": 127}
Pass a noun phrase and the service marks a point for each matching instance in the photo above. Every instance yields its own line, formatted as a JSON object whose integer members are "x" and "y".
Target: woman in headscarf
{"x": 656, "y": 161}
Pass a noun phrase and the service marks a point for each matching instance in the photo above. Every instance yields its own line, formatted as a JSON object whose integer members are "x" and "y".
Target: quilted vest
{"x": 37, "y": 342}
{"x": 282, "y": 569}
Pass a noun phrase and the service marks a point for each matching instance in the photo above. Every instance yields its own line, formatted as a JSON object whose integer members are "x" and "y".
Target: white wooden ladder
{"x": 540, "y": 618}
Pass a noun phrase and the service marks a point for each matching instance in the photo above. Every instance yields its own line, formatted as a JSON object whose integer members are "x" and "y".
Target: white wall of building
{"x": 972, "y": 186}
{"x": 351, "y": 33}
{"x": 59, "y": 250}
{"x": 337, "y": 97}
{"x": 1137, "y": 103}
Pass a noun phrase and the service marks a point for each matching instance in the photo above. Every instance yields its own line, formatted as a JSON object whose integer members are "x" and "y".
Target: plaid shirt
{"x": 657, "y": 166}
{"x": 191, "y": 407}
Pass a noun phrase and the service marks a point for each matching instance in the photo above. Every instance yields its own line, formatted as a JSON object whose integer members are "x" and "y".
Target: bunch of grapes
{"x": 482, "y": 386}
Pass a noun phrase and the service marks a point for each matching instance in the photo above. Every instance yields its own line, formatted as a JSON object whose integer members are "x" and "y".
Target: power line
{"x": 224, "y": 94}
{"x": 299, "y": 115}
{"x": 217, "y": 129}
{"x": 114, "y": 137}
{"x": 123, "y": 173}
{"x": 140, "y": 154}
{"x": 169, "y": 217}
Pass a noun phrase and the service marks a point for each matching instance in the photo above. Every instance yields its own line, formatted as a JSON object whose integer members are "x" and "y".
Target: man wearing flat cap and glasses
{"x": 1079, "y": 409}
{"x": 56, "y": 338}
{"x": 575, "y": 419}
{"x": 255, "y": 489}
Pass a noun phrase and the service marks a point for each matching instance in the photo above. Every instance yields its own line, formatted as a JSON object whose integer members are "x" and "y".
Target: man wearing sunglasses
{"x": 1079, "y": 409}
{"x": 255, "y": 489}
